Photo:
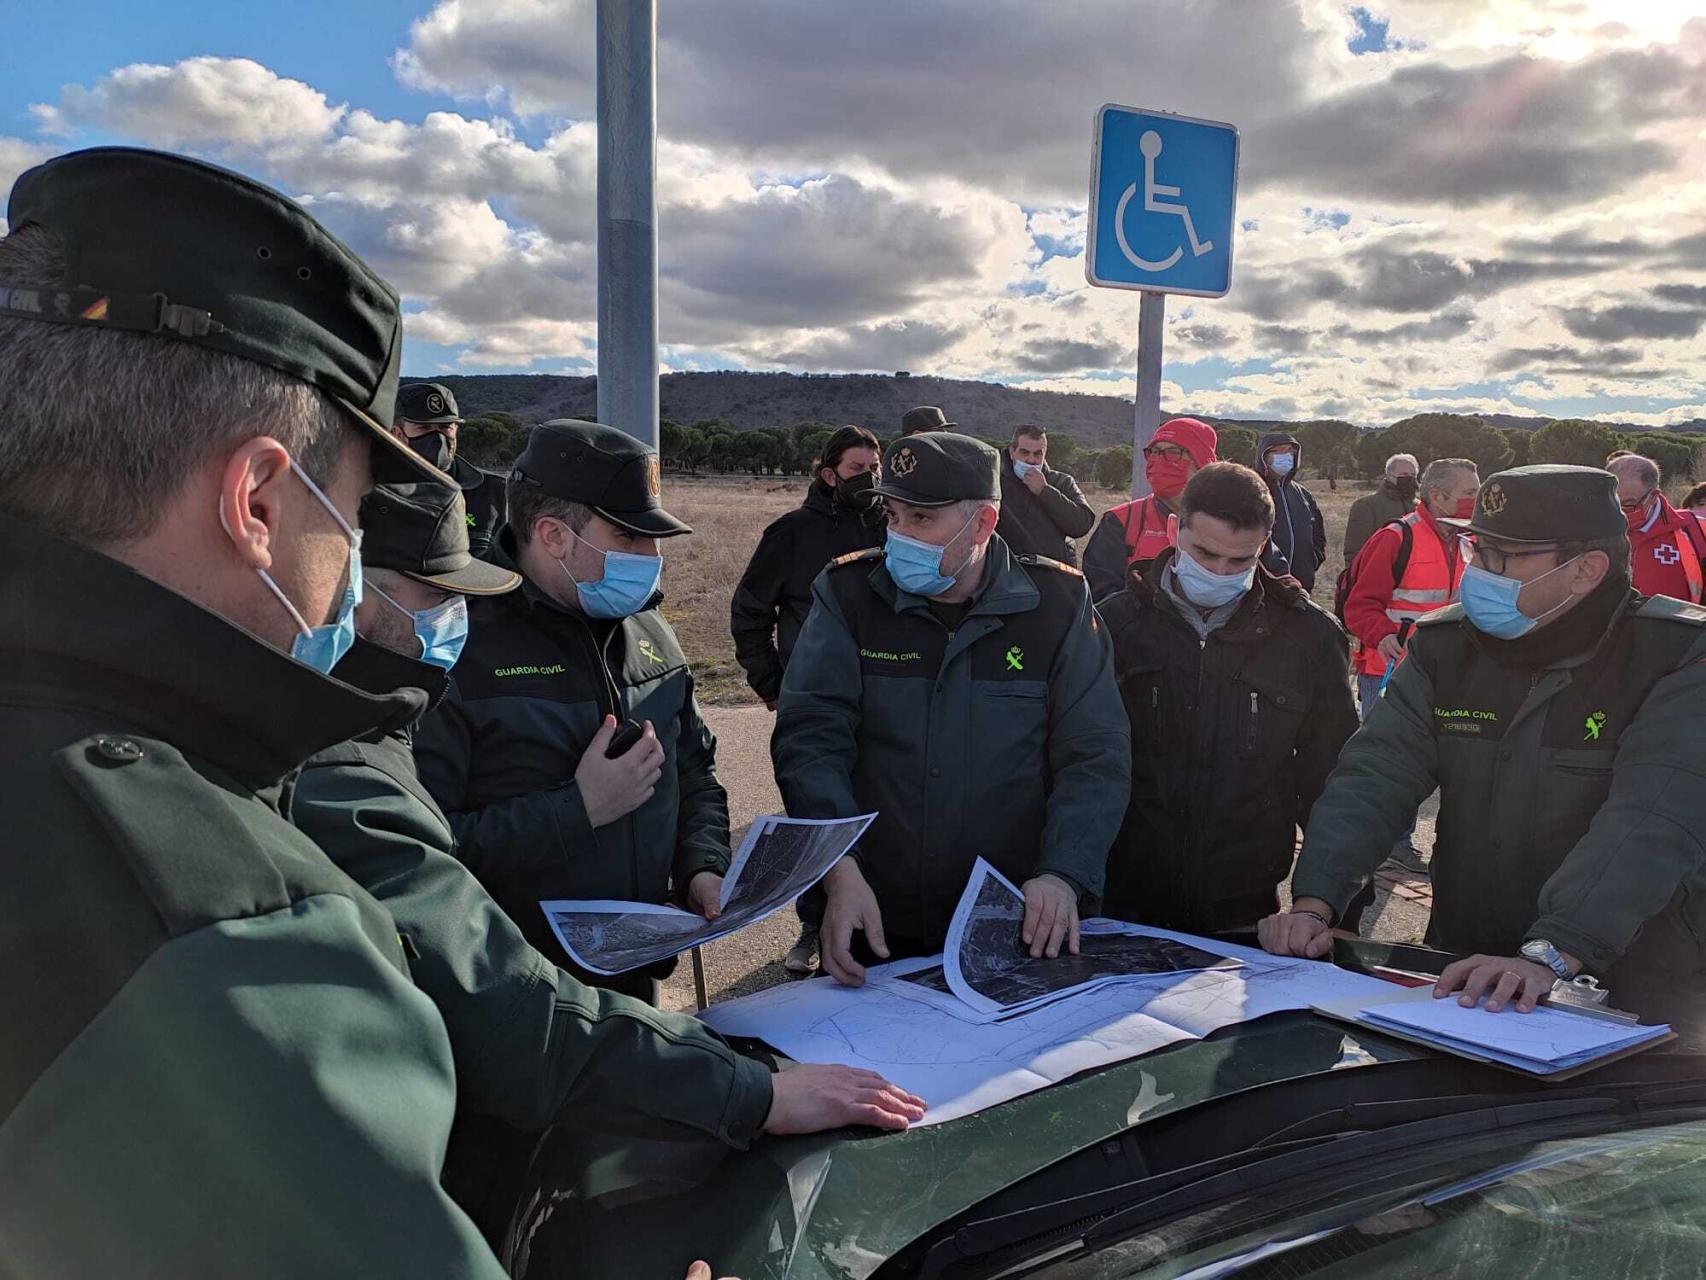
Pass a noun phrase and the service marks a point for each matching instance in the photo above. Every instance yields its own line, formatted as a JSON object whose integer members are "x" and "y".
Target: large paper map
{"x": 960, "y": 1063}
{"x": 778, "y": 861}
{"x": 988, "y": 966}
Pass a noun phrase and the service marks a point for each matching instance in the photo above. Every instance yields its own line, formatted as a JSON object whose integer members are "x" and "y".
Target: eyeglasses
{"x": 1637, "y": 503}
{"x": 1496, "y": 559}
{"x": 1167, "y": 452}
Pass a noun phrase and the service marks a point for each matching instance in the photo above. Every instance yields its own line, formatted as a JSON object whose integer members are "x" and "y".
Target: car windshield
{"x": 1629, "y": 1203}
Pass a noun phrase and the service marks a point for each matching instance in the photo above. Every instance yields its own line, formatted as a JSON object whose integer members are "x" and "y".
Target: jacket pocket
{"x": 1143, "y": 690}
{"x": 1009, "y": 720}
{"x": 1269, "y": 715}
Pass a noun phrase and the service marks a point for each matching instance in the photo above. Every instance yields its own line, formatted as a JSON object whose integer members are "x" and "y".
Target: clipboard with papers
{"x": 1555, "y": 1042}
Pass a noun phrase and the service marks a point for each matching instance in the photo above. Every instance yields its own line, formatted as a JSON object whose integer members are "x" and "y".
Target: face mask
{"x": 1464, "y": 510}
{"x": 1023, "y": 469}
{"x": 442, "y": 629}
{"x": 1167, "y": 476}
{"x": 1281, "y": 464}
{"x": 1637, "y": 514}
{"x": 1207, "y": 589}
{"x": 1489, "y": 602}
{"x": 435, "y": 447}
{"x": 917, "y": 566}
{"x": 320, "y": 647}
{"x": 856, "y": 491}
{"x": 1406, "y": 487}
{"x": 629, "y": 581}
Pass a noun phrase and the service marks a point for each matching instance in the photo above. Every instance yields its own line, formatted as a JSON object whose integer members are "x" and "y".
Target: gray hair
{"x": 528, "y": 503}
{"x": 1402, "y": 457}
{"x": 970, "y": 506}
{"x": 103, "y": 427}
{"x": 1645, "y": 469}
{"x": 1440, "y": 471}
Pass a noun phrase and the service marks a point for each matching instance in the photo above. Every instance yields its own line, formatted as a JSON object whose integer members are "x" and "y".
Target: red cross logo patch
{"x": 1665, "y": 553}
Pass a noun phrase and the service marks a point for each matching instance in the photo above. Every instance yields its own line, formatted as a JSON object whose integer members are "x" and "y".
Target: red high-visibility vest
{"x": 1429, "y": 583}
{"x": 1144, "y": 525}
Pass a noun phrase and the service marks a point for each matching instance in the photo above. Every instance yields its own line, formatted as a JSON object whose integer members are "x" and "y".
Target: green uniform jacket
{"x": 1572, "y": 798}
{"x": 214, "y": 1060}
{"x": 533, "y": 1046}
{"x": 1004, "y": 738}
{"x": 499, "y": 755}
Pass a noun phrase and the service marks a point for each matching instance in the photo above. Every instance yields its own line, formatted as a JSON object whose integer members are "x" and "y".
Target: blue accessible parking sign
{"x": 1163, "y": 191}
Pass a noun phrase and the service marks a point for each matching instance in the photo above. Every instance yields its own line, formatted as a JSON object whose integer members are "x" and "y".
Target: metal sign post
{"x": 1163, "y": 191}
{"x": 627, "y": 217}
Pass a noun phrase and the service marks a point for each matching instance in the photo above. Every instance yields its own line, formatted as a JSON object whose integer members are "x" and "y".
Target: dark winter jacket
{"x": 775, "y": 593}
{"x": 1001, "y": 738}
{"x": 1043, "y": 524}
{"x": 533, "y": 1045}
{"x": 1374, "y": 511}
{"x": 499, "y": 756}
{"x": 1299, "y": 532}
{"x": 1232, "y": 740}
{"x": 487, "y": 502}
{"x": 1573, "y": 797}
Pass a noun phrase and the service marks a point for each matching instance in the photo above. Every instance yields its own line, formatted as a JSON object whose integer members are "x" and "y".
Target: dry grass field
{"x": 729, "y": 512}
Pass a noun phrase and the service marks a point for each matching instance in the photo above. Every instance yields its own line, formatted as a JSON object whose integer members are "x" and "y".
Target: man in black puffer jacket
{"x": 1238, "y": 691}
{"x": 840, "y": 515}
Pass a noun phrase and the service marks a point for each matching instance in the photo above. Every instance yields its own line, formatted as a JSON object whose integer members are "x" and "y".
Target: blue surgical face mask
{"x": 320, "y": 647}
{"x": 917, "y": 566}
{"x": 1490, "y": 602}
{"x": 1282, "y": 463}
{"x": 442, "y": 629}
{"x": 629, "y": 581}
{"x": 1023, "y": 469}
{"x": 1207, "y": 589}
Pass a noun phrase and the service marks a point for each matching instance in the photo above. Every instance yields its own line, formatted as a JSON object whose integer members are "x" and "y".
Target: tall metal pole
{"x": 1151, "y": 316}
{"x": 627, "y": 217}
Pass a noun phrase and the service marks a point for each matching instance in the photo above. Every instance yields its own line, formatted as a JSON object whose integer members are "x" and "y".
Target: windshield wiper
{"x": 1092, "y": 1217}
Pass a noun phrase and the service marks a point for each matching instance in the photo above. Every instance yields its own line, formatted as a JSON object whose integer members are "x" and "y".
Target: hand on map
{"x": 1051, "y": 916}
{"x": 612, "y": 789}
{"x": 852, "y": 907}
{"x": 1302, "y": 931}
{"x": 1502, "y": 979}
{"x": 810, "y": 1098}
{"x": 704, "y": 893}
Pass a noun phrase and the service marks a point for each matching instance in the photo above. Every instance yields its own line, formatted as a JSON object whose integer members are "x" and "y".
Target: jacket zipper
{"x": 1250, "y": 735}
{"x": 1155, "y": 714}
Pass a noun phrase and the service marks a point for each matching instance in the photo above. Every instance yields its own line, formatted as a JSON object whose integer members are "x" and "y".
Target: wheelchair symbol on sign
{"x": 1150, "y": 145}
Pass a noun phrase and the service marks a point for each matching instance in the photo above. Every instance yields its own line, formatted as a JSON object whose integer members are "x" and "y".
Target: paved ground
{"x": 752, "y": 959}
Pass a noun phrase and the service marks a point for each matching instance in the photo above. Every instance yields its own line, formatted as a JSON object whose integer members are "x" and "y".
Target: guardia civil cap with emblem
{"x": 426, "y": 402}
{"x": 161, "y": 244}
{"x": 599, "y": 467}
{"x": 938, "y": 468}
{"x": 1549, "y": 503}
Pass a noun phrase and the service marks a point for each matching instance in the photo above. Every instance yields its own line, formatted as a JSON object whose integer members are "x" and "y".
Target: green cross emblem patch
{"x": 649, "y": 651}
{"x": 1015, "y": 659}
{"x": 1594, "y": 722}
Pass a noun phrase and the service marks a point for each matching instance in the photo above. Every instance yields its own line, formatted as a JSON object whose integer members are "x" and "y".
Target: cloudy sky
{"x": 1446, "y": 204}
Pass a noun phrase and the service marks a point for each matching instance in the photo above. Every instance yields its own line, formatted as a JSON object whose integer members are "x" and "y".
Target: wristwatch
{"x": 1543, "y": 952}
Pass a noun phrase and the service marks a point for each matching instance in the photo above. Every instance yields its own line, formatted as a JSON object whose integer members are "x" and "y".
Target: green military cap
{"x": 421, "y": 531}
{"x": 926, "y": 417}
{"x": 939, "y": 467}
{"x": 427, "y": 403}
{"x": 1549, "y": 503}
{"x": 602, "y": 468}
{"x": 159, "y": 243}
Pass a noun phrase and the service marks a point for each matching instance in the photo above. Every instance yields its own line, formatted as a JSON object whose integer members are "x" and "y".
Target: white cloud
{"x": 200, "y": 102}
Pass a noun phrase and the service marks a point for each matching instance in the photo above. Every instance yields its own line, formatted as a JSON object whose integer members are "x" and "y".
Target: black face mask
{"x": 435, "y": 447}
{"x": 1406, "y": 487}
{"x": 856, "y": 491}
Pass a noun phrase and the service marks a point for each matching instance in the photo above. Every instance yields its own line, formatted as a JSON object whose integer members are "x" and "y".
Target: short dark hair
{"x": 1230, "y": 492}
{"x": 1616, "y": 549}
{"x": 528, "y": 501}
{"x": 845, "y": 438}
{"x": 1696, "y": 494}
{"x": 1033, "y": 432}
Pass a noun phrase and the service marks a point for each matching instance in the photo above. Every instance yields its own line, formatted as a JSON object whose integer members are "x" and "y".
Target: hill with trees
{"x": 774, "y": 423}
